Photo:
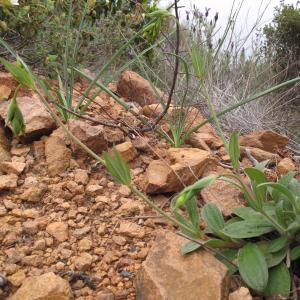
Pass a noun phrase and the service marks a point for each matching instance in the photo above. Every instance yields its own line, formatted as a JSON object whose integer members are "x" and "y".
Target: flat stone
{"x": 12, "y": 167}
{"x": 127, "y": 151}
{"x": 58, "y": 230}
{"x": 8, "y": 182}
{"x": 167, "y": 274}
{"x": 44, "y": 287}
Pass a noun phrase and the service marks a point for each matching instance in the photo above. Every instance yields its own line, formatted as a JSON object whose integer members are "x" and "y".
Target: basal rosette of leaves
{"x": 260, "y": 241}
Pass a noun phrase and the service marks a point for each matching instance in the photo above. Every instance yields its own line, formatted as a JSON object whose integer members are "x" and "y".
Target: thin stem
{"x": 278, "y": 227}
{"x": 159, "y": 210}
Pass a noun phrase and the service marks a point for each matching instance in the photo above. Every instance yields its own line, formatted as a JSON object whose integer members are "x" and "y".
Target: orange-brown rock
{"x": 265, "y": 139}
{"x": 57, "y": 155}
{"x": 167, "y": 274}
{"x": 127, "y": 151}
{"x": 5, "y": 92}
{"x": 134, "y": 87}
{"x": 37, "y": 120}
{"x": 44, "y": 287}
{"x": 185, "y": 167}
{"x": 92, "y": 136}
{"x": 259, "y": 154}
{"x": 224, "y": 195}
{"x": 285, "y": 165}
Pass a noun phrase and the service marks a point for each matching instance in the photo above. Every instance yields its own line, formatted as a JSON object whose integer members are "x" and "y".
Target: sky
{"x": 249, "y": 13}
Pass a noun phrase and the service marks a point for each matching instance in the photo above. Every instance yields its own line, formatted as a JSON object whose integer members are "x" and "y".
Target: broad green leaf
{"x": 246, "y": 229}
{"x": 280, "y": 216}
{"x": 279, "y": 282}
{"x": 19, "y": 72}
{"x": 234, "y": 149}
{"x": 284, "y": 180}
{"x": 253, "y": 267}
{"x": 278, "y": 244}
{"x": 186, "y": 223}
{"x": 213, "y": 218}
{"x": 273, "y": 259}
{"x": 295, "y": 253}
{"x": 189, "y": 247}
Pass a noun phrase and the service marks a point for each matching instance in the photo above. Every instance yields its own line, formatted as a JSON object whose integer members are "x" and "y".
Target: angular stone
{"x": 131, "y": 229}
{"x": 127, "y": 151}
{"x": 44, "y": 287}
{"x": 135, "y": 88}
{"x": 58, "y": 230}
{"x": 81, "y": 176}
{"x": 12, "y": 167}
{"x": 285, "y": 165}
{"x": 57, "y": 155}
{"x": 5, "y": 92}
{"x": 83, "y": 262}
{"x": 259, "y": 154}
{"x": 4, "y": 146}
{"x": 37, "y": 120}
{"x": 33, "y": 193}
{"x": 91, "y": 136}
{"x": 17, "y": 278}
{"x": 167, "y": 274}
{"x": 224, "y": 195}
{"x": 241, "y": 294}
{"x": 8, "y": 182}
{"x": 187, "y": 165}
{"x": 265, "y": 139}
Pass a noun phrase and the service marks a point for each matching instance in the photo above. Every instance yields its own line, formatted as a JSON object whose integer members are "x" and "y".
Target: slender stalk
{"x": 278, "y": 227}
{"x": 158, "y": 209}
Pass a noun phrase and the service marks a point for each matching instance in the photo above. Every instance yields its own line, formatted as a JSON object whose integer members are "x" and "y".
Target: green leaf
{"x": 279, "y": 282}
{"x": 198, "y": 62}
{"x": 191, "y": 190}
{"x": 193, "y": 212}
{"x": 253, "y": 267}
{"x": 284, "y": 180}
{"x": 213, "y": 218}
{"x": 295, "y": 253}
{"x": 186, "y": 223}
{"x": 189, "y": 247}
{"x": 231, "y": 255}
{"x": 216, "y": 243}
{"x": 234, "y": 149}
{"x": 246, "y": 229}
{"x": 278, "y": 244}
{"x": 19, "y": 72}
{"x": 281, "y": 189}
{"x": 273, "y": 259}
{"x": 257, "y": 177}
{"x": 117, "y": 167}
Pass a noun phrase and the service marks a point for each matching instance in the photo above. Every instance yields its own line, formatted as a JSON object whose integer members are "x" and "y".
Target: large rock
{"x": 57, "y": 155}
{"x": 266, "y": 139}
{"x": 134, "y": 87}
{"x": 44, "y": 287}
{"x": 185, "y": 167}
{"x": 167, "y": 274}
{"x": 37, "y": 120}
{"x": 285, "y": 165}
{"x": 92, "y": 136}
{"x": 224, "y": 195}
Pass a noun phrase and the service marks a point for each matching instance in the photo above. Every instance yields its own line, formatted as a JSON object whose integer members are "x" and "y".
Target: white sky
{"x": 249, "y": 13}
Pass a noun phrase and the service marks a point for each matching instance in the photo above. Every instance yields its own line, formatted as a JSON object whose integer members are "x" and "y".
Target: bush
{"x": 282, "y": 38}
{"x": 38, "y": 29}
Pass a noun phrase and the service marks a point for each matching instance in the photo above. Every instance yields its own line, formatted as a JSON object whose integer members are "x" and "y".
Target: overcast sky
{"x": 249, "y": 13}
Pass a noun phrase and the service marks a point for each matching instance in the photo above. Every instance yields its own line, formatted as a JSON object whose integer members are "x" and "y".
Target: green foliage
{"x": 39, "y": 27}
{"x": 264, "y": 235}
{"x": 283, "y": 35}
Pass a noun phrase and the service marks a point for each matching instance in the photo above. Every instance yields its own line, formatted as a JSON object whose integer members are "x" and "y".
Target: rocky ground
{"x": 68, "y": 230}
